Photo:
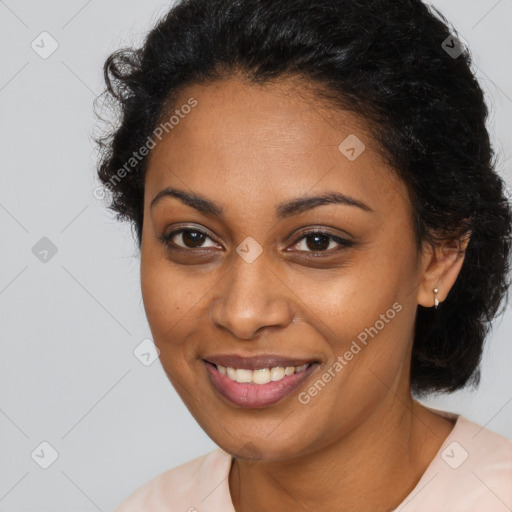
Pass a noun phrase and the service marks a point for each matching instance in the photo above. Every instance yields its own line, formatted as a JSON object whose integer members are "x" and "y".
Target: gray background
{"x": 70, "y": 324}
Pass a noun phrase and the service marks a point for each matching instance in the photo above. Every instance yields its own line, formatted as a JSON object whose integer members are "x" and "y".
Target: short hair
{"x": 389, "y": 62}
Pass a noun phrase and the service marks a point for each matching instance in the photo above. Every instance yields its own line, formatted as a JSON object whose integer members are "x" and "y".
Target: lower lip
{"x": 256, "y": 395}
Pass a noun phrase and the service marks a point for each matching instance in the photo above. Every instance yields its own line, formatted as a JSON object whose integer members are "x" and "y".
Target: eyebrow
{"x": 283, "y": 210}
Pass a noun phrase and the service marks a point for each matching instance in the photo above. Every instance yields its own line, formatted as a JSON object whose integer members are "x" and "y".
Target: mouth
{"x": 258, "y": 381}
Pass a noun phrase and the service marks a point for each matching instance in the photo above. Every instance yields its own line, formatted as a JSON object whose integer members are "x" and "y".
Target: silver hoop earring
{"x": 436, "y": 301}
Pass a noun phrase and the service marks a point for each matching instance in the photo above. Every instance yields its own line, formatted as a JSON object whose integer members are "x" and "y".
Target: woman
{"x": 324, "y": 239}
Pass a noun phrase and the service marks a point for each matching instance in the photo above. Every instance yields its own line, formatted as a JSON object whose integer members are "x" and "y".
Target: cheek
{"x": 163, "y": 289}
{"x": 176, "y": 306}
{"x": 166, "y": 299}
{"x": 365, "y": 312}
{"x": 345, "y": 301}
{"x": 159, "y": 304}
{"x": 370, "y": 355}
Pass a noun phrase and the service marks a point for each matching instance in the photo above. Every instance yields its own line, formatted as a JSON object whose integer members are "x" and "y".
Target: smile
{"x": 260, "y": 375}
{"x": 260, "y": 387}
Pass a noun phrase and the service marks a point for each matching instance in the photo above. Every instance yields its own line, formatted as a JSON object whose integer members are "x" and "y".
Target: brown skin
{"x": 362, "y": 443}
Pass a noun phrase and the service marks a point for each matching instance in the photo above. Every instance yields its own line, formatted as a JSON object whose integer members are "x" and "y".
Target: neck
{"x": 373, "y": 467}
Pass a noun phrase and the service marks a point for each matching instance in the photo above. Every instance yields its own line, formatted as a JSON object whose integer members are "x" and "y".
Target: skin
{"x": 362, "y": 443}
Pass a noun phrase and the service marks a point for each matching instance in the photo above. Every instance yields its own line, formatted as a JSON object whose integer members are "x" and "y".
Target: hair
{"x": 389, "y": 63}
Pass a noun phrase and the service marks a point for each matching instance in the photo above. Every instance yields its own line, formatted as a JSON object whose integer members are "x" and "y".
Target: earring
{"x": 436, "y": 301}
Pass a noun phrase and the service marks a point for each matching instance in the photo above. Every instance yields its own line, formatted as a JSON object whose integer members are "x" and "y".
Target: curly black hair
{"x": 402, "y": 67}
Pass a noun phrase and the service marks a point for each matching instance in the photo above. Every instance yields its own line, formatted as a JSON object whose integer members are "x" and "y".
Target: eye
{"x": 189, "y": 238}
{"x": 314, "y": 242}
{"x": 321, "y": 242}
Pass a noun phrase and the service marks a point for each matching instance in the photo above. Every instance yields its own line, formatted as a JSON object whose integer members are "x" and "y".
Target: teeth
{"x": 278, "y": 373}
{"x": 261, "y": 375}
{"x": 243, "y": 375}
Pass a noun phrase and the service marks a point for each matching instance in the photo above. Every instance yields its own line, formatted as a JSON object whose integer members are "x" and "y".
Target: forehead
{"x": 269, "y": 141}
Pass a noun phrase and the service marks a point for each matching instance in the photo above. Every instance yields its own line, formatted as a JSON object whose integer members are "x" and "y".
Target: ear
{"x": 440, "y": 267}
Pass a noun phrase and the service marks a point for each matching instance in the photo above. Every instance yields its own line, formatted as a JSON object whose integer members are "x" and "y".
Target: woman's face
{"x": 250, "y": 275}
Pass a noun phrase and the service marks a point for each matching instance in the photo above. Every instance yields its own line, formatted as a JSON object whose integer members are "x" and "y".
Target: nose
{"x": 250, "y": 298}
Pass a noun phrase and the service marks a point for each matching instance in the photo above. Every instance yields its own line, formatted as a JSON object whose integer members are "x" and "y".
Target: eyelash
{"x": 166, "y": 240}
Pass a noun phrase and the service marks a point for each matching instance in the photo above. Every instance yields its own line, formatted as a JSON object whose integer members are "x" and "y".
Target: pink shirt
{"x": 472, "y": 472}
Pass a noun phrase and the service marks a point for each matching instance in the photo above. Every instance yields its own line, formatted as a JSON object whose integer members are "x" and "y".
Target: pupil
{"x": 316, "y": 246}
{"x": 195, "y": 238}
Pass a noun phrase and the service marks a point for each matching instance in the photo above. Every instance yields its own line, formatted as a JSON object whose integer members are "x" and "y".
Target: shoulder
{"x": 486, "y": 460}
{"x": 182, "y": 487}
{"x": 481, "y": 449}
{"x": 472, "y": 471}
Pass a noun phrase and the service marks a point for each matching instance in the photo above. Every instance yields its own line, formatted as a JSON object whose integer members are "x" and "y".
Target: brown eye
{"x": 187, "y": 239}
{"x": 320, "y": 242}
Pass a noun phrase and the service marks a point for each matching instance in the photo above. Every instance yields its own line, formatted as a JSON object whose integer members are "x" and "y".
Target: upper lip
{"x": 257, "y": 362}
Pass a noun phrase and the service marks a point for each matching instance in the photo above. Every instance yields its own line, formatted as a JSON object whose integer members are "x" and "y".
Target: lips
{"x": 257, "y": 362}
{"x": 257, "y": 395}
{"x": 251, "y": 395}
